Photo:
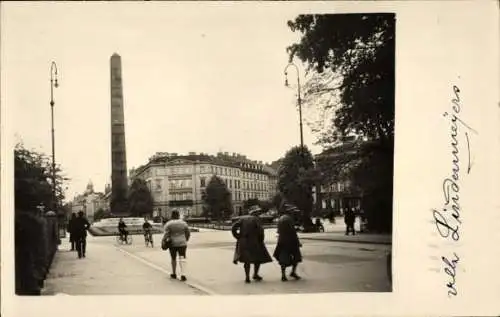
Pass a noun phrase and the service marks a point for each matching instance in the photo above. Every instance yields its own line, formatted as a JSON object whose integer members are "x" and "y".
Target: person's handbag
{"x": 166, "y": 243}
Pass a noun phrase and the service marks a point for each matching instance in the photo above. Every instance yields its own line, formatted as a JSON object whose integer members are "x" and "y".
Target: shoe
{"x": 284, "y": 279}
{"x": 247, "y": 280}
{"x": 257, "y": 277}
{"x": 174, "y": 276}
{"x": 183, "y": 278}
{"x": 295, "y": 276}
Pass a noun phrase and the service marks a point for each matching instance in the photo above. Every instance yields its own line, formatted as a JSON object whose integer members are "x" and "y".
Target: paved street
{"x": 328, "y": 266}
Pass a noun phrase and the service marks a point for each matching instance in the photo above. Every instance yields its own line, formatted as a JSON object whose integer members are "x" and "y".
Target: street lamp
{"x": 299, "y": 100}
{"x": 53, "y": 84}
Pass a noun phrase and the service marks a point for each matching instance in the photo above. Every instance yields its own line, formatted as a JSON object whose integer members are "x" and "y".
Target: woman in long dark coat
{"x": 250, "y": 247}
{"x": 287, "y": 250}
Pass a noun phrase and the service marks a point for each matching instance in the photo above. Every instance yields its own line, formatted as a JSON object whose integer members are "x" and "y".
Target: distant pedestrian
{"x": 178, "y": 234}
{"x": 81, "y": 225}
{"x": 349, "y": 218}
{"x": 250, "y": 247}
{"x": 71, "y": 225}
{"x": 287, "y": 250}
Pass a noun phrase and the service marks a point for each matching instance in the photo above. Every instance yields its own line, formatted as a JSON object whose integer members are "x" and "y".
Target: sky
{"x": 196, "y": 77}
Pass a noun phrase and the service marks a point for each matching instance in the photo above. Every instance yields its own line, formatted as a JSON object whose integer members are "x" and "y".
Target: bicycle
{"x": 120, "y": 238}
{"x": 148, "y": 238}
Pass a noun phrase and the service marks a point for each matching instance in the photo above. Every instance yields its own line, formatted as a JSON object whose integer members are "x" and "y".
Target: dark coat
{"x": 250, "y": 247}
{"x": 349, "y": 217}
{"x": 80, "y": 227}
{"x": 71, "y": 228}
{"x": 287, "y": 250}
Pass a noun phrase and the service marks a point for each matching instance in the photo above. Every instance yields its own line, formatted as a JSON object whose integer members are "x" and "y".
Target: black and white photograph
{"x": 261, "y": 153}
{"x": 218, "y": 149}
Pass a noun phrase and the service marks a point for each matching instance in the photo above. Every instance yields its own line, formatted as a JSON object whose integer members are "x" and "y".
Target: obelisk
{"x": 118, "y": 203}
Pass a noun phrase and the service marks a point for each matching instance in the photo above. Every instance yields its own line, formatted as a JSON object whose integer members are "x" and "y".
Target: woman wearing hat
{"x": 287, "y": 250}
{"x": 250, "y": 247}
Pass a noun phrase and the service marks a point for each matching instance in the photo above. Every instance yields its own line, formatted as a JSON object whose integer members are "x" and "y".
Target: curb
{"x": 347, "y": 241}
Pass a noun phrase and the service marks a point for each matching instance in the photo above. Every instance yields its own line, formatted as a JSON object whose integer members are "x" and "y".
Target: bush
{"x": 35, "y": 245}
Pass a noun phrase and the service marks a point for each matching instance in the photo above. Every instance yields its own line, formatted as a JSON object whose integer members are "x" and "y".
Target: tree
{"x": 357, "y": 51}
{"x": 249, "y": 203}
{"x": 33, "y": 180}
{"x": 34, "y": 243}
{"x": 101, "y": 214}
{"x": 140, "y": 199}
{"x": 218, "y": 198}
{"x": 295, "y": 183}
{"x": 351, "y": 59}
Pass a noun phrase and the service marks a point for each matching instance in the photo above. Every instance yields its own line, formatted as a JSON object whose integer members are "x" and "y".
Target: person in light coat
{"x": 178, "y": 234}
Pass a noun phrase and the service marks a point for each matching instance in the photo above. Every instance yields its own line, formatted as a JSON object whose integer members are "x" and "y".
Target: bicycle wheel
{"x": 129, "y": 239}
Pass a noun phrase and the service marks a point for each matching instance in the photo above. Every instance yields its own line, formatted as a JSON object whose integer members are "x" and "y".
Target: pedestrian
{"x": 287, "y": 250}
{"x": 122, "y": 230}
{"x": 178, "y": 234}
{"x": 250, "y": 247}
{"x": 349, "y": 219}
{"x": 71, "y": 225}
{"x": 81, "y": 225}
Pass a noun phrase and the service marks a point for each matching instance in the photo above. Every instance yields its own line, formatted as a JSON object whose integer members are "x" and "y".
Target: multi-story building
{"x": 341, "y": 193}
{"x": 89, "y": 202}
{"x": 178, "y": 181}
{"x": 273, "y": 181}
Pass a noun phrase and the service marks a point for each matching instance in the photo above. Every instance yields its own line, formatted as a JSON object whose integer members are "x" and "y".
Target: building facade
{"x": 339, "y": 194}
{"x": 178, "y": 181}
{"x": 89, "y": 202}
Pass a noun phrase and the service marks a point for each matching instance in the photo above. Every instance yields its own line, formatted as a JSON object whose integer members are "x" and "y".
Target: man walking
{"x": 71, "y": 225}
{"x": 250, "y": 247}
{"x": 349, "y": 218}
{"x": 81, "y": 225}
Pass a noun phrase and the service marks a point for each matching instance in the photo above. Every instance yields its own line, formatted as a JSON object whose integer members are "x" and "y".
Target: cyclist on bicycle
{"x": 122, "y": 230}
{"x": 146, "y": 226}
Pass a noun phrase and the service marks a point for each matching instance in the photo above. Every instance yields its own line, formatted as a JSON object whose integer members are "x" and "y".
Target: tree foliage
{"x": 249, "y": 203}
{"x": 358, "y": 53}
{"x": 101, "y": 214}
{"x": 140, "y": 200}
{"x": 294, "y": 181}
{"x": 351, "y": 59}
{"x": 218, "y": 199}
{"x": 33, "y": 180}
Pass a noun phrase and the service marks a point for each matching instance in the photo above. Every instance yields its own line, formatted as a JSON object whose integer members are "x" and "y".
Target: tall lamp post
{"x": 299, "y": 100}
{"x": 53, "y": 84}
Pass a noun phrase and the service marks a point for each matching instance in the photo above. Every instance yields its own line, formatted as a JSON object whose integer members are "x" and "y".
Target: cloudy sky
{"x": 197, "y": 77}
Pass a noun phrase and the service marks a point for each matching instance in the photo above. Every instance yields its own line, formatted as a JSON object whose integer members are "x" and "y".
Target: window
{"x": 230, "y": 183}
{"x": 202, "y": 181}
{"x": 158, "y": 185}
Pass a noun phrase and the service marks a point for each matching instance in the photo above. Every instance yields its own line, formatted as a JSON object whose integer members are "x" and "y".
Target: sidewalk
{"x": 370, "y": 238}
{"x": 107, "y": 271}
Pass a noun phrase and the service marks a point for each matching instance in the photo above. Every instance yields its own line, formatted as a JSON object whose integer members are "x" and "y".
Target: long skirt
{"x": 287, "y": 254}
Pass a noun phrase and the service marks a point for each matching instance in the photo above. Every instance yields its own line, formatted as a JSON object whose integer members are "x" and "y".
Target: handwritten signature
{"x": 447, "y": 219}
